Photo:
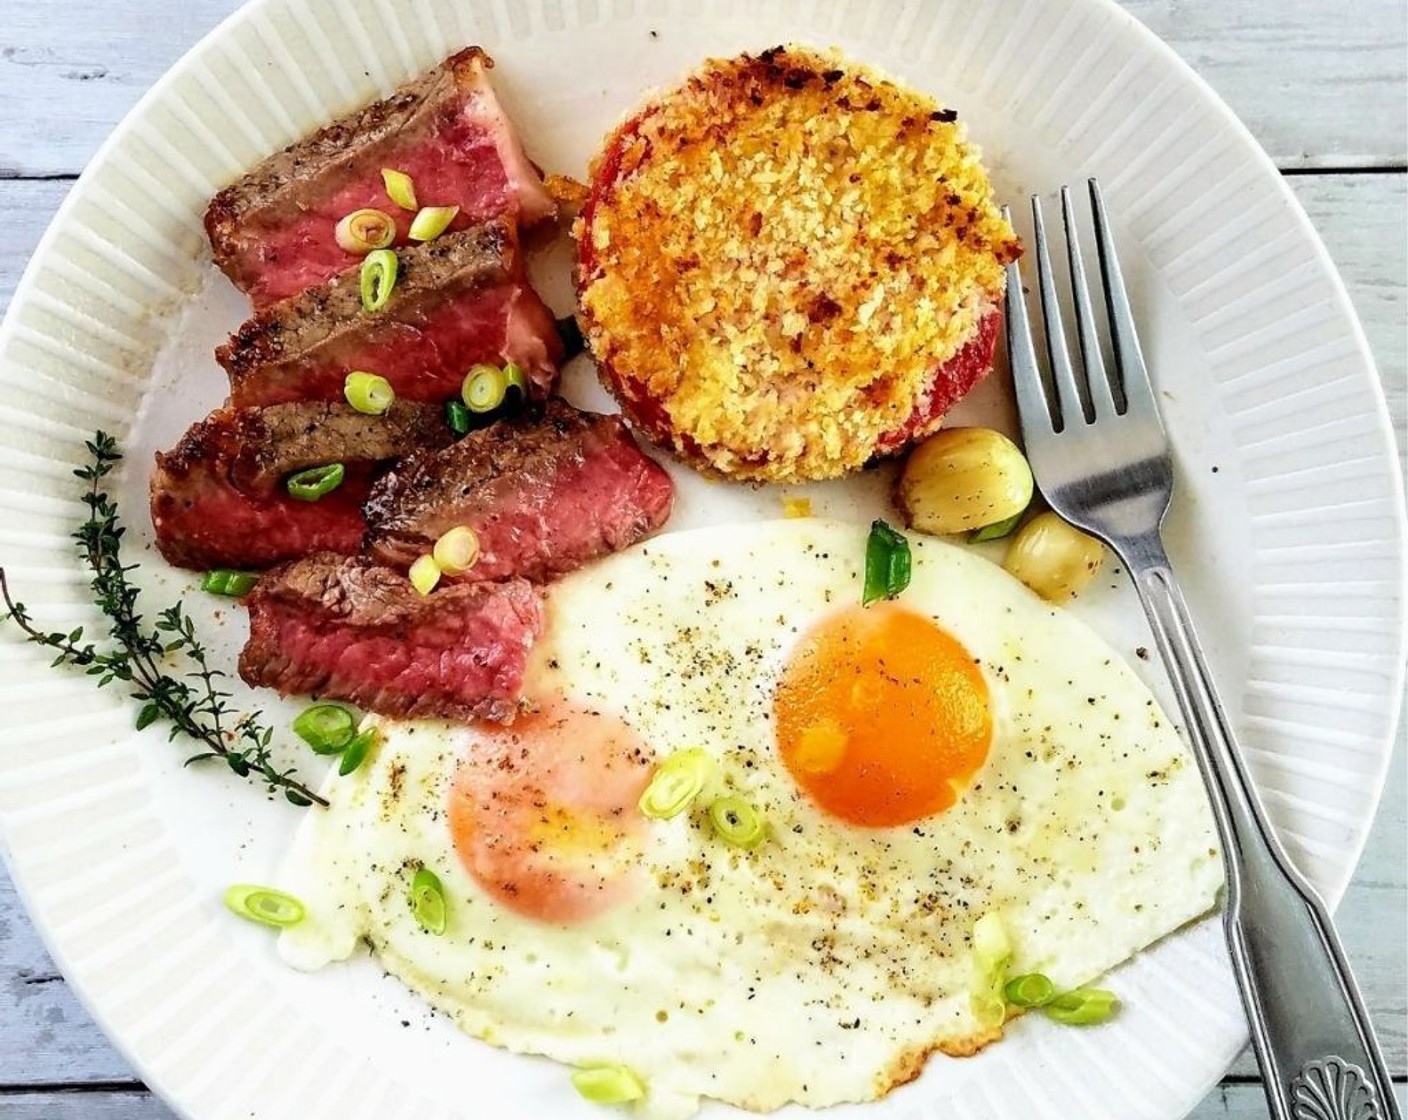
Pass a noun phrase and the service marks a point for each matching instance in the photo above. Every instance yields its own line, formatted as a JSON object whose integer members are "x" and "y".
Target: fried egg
{"x": 963, "y": 750}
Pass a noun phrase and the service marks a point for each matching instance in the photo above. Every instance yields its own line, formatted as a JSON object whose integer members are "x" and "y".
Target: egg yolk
{"x": 543, "y": 814}
{"x": 882, "y": 717}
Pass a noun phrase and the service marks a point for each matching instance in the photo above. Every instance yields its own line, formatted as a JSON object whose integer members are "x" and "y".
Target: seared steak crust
{"x": 272, "y": 231}
{"x": 347, "y": 629}
{"x": 458, "y": 300}
{"x": 546, "y": 492}
{"x": 217, "y": 499}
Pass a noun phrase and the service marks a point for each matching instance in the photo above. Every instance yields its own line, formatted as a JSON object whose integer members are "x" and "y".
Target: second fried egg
{"x": 964, "y": 750}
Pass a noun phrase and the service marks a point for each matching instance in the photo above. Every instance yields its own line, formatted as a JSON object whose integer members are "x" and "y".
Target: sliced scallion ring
{"x": 315, "y": 482}
{"x": 378, "y": 278}
{"x": 484, "y": 388}
{"x": 737, "y": 822}
{"x": 998, "y": 529}
{"x": 264, "y": 905}
{"x": 223, "y": 581}
{"x": 424, "y": 574}
{"x": 431, "y": 222}
{"x": 364, "y": 230}
{"x": 990, "y": 943}
{"x": 369, "y": 393}
{"x": 1084, "y": 1007}
{"x": 677, "y": 781}
{"x": 1030, "y": 990}
{"x": 457, "y": 550}
{"x": 327, "y": 728}
{"x": 516, "y": 382}
{"x": 887, "y": 564}
{"x": 356, "y": 752}
{"x": 457, "y": 417}
{"x": 428, "y": 901}
{"x": 607, "y": 1084}
{"x": 400, "y": 188}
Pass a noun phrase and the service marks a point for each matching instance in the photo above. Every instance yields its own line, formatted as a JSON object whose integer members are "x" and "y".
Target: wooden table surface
{"x": 1322, "y": 86}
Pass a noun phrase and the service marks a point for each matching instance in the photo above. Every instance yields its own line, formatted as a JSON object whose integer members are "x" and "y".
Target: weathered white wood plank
{"x": 46, "y": 1036}
{"x": 1363, "y": 220}
{"x": 1229, "y": 1102}
{"x": 135, "y": 1105}
{"x": 1320, "y": 85}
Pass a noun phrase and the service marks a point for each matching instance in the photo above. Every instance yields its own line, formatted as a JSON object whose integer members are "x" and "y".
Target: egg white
{"x": 826, "y": 965}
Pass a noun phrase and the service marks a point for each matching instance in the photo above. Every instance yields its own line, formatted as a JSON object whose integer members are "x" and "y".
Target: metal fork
{"x": 1102, "y": 461}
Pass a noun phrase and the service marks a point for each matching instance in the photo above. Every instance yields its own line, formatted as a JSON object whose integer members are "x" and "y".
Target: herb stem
{"x": 200, "y": 710}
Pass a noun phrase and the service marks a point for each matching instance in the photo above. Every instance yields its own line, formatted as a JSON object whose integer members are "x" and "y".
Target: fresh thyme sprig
{"x": 148, "y": 659}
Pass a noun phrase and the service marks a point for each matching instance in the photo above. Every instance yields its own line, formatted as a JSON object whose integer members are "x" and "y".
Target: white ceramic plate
{"x": 1288, "y": 528}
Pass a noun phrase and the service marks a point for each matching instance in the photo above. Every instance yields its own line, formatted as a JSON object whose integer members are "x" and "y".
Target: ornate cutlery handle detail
{"x": 1312, "y": 1035}
{"x": 1334, "y": 1089}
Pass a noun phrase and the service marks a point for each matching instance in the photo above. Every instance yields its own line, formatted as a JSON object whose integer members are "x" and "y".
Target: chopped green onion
{"x": 368, "y": 393}
{"x": 457, "y": 417}
{"x": 428, "y": 901}
{"x": 315, "y": 482}
{"x": 991, "y": 952}
{"x": 484, "y": 388}
{"x": 516, "y": 382}
{"x": 990, "y": 944}
{"x": 264, "y": 905}
{"x": 607, "y": 1084}
{"x": 677, "y": 781}
{"x": 737, "y": 822}
{"x": 223, "y": 581}
{"x": 399, "y": 188}
{"x": 887, "y": 564}
{"x": 1030, "y": 990}
{"x": 431, "y": 222}
{"x": 425, "y": 574}
{"x": 457, "y": 550}
{"x": 1083, "y": 1007}
{"x": 378, "y": 278}
{"x": 998, "y": 529}
{"x": 327, "y": 728}
{"x": 357, "y": 749}
{"x": 364, "y": 230}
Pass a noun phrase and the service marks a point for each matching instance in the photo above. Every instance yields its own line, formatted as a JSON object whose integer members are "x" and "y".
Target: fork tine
{"x": 1063, "y": 375}
{"x": 1106, "y": 399}
{"x": 1032, "y": 404}
{"x": 1129, "y": 358}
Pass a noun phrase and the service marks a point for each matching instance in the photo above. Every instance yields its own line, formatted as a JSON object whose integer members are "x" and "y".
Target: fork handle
{"x": 1313, "y": 1038}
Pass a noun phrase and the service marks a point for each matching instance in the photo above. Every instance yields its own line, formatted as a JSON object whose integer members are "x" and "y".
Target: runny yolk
{"x": 882, "y": 717}
{"x": 543, "y": 814}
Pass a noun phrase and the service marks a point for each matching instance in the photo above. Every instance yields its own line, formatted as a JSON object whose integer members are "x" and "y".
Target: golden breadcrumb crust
{"x": 779, "y": 254}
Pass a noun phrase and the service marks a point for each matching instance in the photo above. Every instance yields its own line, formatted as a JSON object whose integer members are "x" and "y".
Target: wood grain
{"x": 1320, "y": 85}
{"x": 1320, "y": 88}
{"x": 1227, "y": 1102}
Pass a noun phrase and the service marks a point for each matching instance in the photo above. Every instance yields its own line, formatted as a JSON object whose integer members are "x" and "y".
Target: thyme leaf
{"x": 162, "y": 664}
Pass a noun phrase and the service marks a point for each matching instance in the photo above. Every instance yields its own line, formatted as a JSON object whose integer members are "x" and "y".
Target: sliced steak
{"x": 217, "y": 498}
{"x": 273, "y": 231}
{"x": 346, "y": 628}
{"x": 546, "y": 492}
{"x": 459, "y": 300}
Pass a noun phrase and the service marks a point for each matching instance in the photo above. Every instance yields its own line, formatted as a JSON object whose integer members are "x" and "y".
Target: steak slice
{"x": 217, "y": 499}
{"x": 458, "y": 300}
{"x": 346, "y": 628}
{"x": 545, "y": 491}
{"x": 272, "y": 232}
